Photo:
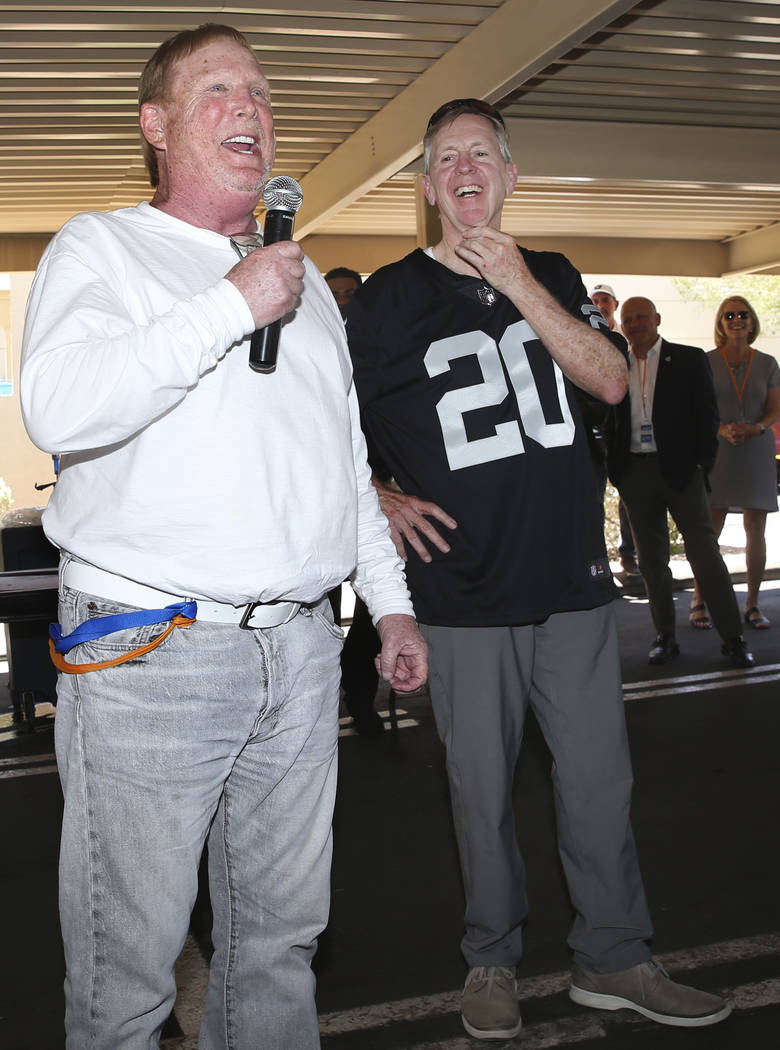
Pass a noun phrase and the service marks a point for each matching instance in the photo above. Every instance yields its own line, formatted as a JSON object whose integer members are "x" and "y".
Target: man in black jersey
{"x": 467, "y": 358}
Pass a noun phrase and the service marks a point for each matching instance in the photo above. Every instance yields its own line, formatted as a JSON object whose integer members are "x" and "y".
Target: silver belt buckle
{"x": 273, "y": 621}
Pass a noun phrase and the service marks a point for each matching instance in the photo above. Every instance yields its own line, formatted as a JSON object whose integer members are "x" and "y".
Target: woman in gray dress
{"x": 744, "y": 478}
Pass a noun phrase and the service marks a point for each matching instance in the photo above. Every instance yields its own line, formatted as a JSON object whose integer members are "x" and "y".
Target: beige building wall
{"x": 21, "y": 463}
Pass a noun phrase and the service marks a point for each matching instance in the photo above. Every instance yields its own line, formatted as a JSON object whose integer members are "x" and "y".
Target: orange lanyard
{"x": 739, "y": 391}
{"x": 643, "y": 385}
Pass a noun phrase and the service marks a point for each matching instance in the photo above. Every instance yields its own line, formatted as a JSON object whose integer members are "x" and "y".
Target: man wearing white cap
{"x": 603, "y": 296}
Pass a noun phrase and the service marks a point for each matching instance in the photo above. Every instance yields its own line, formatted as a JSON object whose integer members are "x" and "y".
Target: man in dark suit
{"x": 663, "y": 447}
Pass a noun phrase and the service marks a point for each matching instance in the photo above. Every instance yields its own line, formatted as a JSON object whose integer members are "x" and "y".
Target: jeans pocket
{"x": 76, "y": 608}
{"x": 323, "y": 614}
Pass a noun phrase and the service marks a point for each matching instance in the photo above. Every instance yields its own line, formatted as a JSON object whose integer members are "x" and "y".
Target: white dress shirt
{"x": 642, "y": 374}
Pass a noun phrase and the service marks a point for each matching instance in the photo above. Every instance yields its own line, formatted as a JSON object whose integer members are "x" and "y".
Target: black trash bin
{"x": 31, "y": 674}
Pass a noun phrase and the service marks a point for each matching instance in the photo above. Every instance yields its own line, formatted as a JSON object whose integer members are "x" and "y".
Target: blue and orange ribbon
{"x": 180, "y": 614}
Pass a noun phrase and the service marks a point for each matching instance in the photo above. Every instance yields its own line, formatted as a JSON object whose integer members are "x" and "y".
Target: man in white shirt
{"x": 664, "y": 447}
{"x": 210, "y": 508}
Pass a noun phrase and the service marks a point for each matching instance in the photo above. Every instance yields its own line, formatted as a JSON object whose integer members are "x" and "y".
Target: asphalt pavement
{"x": 704, "y": 740}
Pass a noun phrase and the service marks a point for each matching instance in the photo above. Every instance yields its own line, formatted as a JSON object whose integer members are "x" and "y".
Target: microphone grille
{"x": 282, "y": 193}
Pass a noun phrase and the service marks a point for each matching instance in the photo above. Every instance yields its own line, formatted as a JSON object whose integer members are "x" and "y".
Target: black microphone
{"x": 282, "y": 197}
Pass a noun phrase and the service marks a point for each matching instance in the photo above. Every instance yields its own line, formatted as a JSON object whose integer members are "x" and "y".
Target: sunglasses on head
{"x": 476, "y": 105}
{"x": 743, "y": 315}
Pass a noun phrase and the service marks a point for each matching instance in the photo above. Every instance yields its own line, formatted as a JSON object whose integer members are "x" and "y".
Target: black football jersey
{"x": 466, "y": 408}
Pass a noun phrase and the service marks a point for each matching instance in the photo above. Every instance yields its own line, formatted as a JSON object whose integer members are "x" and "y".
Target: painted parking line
{"x": 543, "y": 986}
{"x": 192, "y": 978}
{"x": 348, "y": 728}
{"x": 23, "y": 760}
{"x": 26, "y": 766}
{"x": 698, "y": 683}
{"x": 36, "y": 771}
{"x": 569, "y": 1031}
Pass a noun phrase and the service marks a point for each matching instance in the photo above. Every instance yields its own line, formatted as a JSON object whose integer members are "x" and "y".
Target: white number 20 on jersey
{"x": 507, "y": 439}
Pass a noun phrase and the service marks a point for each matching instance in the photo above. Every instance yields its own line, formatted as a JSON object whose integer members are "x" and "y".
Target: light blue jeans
{"x": 219, "y": 735}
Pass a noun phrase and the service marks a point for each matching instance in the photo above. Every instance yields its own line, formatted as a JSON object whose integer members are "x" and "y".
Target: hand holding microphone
{"x": 271, "y": 278}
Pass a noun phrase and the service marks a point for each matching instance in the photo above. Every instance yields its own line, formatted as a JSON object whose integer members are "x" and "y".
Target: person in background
{"x": 662, "y": 450}
{"x": 343, "y": 282}
{"x": 198, "y": 699}
{"x": 747, "y": 386}
{"x": 359, "y": 677}
{"x": 603, "y": 296}
{"x": 467, "y": 359}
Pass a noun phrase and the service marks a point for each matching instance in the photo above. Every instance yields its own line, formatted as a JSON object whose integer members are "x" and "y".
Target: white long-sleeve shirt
{"x": 181, "y": 468}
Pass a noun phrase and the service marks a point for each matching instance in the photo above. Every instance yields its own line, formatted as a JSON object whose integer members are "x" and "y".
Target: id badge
{"x": 646, "y": 434}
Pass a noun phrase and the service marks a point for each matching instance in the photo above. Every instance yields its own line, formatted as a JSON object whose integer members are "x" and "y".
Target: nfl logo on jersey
{"x": 486, "y": 295}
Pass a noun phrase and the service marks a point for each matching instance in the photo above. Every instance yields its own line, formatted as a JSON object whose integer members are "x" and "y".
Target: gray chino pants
{"x": 481, "y": 682}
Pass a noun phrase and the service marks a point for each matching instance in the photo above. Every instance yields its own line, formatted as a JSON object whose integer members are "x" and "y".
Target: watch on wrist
{"x": 761, "y": 428}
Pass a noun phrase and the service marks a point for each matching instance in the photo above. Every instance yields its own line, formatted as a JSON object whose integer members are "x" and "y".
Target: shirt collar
{"x": 654, "y": 350}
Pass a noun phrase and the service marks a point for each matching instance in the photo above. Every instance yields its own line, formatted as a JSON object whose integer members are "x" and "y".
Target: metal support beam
{"x": 756, "y": 252}
{"x": 599, "y": 149}
{"x": 612, "y": 255}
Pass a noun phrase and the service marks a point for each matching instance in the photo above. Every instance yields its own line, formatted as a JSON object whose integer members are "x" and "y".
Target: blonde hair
{"x": 720, "y": 334}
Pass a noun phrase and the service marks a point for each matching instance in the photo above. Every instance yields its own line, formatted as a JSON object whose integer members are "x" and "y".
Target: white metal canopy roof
{"x": 641, "y": 130}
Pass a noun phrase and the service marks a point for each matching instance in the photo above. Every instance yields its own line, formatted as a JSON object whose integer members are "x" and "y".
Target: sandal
{"x": 756, "y": 619}
{"x": 699, "y": 619}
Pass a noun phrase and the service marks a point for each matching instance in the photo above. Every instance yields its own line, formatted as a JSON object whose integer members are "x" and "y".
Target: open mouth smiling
{"x": 468, "y": 191}
{"x": 241, "y": 144}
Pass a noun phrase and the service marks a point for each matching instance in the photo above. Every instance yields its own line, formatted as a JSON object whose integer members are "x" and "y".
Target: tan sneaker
{"x": 648, "y": 989}
{"x": 489, "y": 1007}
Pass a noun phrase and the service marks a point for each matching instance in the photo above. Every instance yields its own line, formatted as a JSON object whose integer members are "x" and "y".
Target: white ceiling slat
{"x": 713, "y": 28}
{"x": 651, "y": 115}
{"x": 703, "y": 9}
{"x": 689, "y": 63}
{"x": 635, "y": 104}
{"x": 661, "y": 79}
{"x": 674, "y": 44}
{"x": 92, "y": 61}
{"x": 261, "y": 43}
{"x": 626, "y": 93}
{"x": 345, "y": 10}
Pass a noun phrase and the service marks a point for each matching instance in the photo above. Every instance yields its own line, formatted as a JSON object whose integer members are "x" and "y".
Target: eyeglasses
{"x": 476, "y": 105}
{"x": 743, "y": 315}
